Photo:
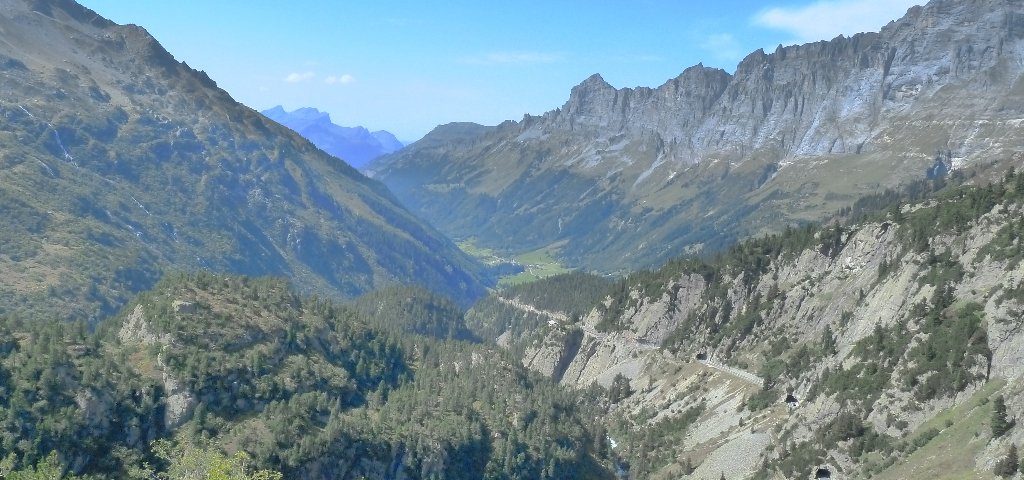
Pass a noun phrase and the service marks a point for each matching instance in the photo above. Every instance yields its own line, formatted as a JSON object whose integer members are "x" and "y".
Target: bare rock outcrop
{"x": 180, "y": 402}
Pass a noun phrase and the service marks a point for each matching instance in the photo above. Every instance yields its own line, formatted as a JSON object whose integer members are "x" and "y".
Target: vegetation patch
{"x": 953, "y": 354}
{"x": 297, "y": 385}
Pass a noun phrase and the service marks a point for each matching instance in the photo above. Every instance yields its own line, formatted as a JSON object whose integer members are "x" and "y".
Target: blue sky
{"x": 407, "y": 66}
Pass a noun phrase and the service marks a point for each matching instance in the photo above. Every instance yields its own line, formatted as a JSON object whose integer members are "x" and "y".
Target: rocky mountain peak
{"x": 687, "y": 161}
{"x": 698, "y": 73}
{"x": 701, "y": 85}
{"x": 595, "y": 81}
{"x": 589, "y": 100}
{"x": 753, "y": 61}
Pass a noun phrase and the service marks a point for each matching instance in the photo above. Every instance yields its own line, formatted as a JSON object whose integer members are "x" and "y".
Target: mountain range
{"x": 120, "y": 163}
{"x": 357, "y": 146}
{"x": 190, "y": 289}
{"x": 619, "y": 179}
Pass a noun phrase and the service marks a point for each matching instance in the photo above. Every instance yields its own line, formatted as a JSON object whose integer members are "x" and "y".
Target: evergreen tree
{"x": 1008, "y": 466}
{"x": 828, "y": 341}
{"x": 49, "y": 468}
{"x": 620, "y": 389}
{"x": 1000, "y": 424}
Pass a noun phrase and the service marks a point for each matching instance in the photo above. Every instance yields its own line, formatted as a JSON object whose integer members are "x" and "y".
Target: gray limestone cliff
{"x": 802, "y": 335}
{"x": 622, "y": 178}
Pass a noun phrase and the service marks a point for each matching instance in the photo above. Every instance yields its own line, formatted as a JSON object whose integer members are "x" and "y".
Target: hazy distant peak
{"x": 304, "y": 115}
{"x": 275, "y": 113}
{"x": 312, "y": 113}
{"x": 388, "y": 140}
{"x": 355, "y": 145}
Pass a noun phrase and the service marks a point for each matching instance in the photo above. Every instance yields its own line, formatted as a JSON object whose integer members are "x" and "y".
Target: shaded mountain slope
{"x": 625, "y": 178}
{"x": 117, "y": 163}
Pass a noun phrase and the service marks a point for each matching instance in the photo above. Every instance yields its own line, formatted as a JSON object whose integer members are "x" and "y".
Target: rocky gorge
{"x": 764, "y": 350}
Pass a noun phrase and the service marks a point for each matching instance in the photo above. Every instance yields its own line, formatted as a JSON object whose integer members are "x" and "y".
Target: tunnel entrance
{"x": 702, "y": 357}
{"x": 823, "y": 473}
{"x": 791, "y": 400}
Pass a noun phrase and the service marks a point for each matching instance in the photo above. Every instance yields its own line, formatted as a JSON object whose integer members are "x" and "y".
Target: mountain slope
{"x": 357, "y": 146}
{"x": 626, "y": 178}
{"x": 118, "y": 163}
{"x": 301, "y": 385}
{"x": 874, "y": 349}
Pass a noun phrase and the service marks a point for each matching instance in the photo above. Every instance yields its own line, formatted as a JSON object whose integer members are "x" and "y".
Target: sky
{"x": 408, "y": 66}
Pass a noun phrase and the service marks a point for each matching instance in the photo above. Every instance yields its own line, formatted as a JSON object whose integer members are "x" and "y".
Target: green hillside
{"x": 299, "y": 385}
{"x": 119, "y": 163}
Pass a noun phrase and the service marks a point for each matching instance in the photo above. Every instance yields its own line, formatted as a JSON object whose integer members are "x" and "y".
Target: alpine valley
{"x": 619, "y": 179}
{"x": 810, "y": 268}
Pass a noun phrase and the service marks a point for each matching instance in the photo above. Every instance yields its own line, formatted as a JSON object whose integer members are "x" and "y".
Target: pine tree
{"x": 620, "y": 389}
{"x": 1008, "y": 466}
{"x": 1000, "y": 424}
{"x": 828, "y": 341}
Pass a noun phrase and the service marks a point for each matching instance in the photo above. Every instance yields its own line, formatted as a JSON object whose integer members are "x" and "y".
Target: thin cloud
{"x": 345, "y": 79}
{"x": 723, "y": 46}
{"x": 299, "y": 77}
{"x": 513, "y": 58}
{"x": 826, "y": 19}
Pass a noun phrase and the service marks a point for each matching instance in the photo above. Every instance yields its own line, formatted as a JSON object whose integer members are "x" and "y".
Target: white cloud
{"x": 343, "y": 79}
{"x": 723, "y": 46}
{"x": 513, "y": 58}
{"x": 826, "y": 19}
{"x": 298, "y": 77}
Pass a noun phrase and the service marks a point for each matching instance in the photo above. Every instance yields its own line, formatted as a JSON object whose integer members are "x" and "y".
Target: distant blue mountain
{"x": 355, "y": 145}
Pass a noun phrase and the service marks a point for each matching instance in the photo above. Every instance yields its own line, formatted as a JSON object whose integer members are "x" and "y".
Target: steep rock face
{"x": 357, "y": 146}
{"x": 717, "y": 344}
{"x": 179, "y": 402}
{"x": 621, "y": 178}
{"x": 117, "y": 163}
{"x": 675, "y": 108}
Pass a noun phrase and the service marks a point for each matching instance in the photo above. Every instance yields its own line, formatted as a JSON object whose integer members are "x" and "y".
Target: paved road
{"x": 628, "y": 338}
{"x": 559, "y": 316}
{"x": 740, "y": 374}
